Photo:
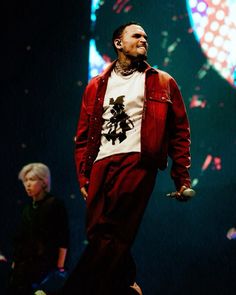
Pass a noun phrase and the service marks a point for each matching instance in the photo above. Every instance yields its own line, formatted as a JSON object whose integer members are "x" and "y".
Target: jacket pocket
{"x": 155, "y": 124}
{"x": 158, "y": 106}
{"x": 160, "y": 98}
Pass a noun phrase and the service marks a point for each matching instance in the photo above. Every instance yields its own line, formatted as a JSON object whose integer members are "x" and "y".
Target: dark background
{"x": 180, "y": 248}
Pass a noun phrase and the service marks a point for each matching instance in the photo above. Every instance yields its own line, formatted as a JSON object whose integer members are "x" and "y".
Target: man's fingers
{"x": 84, "y": 193}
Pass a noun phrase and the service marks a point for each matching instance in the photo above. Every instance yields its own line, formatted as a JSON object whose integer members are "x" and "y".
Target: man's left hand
{"x": 183, "y": 195}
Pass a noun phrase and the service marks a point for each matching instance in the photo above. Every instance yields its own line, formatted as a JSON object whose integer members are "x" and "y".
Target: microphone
{"x": 187, "y": 193}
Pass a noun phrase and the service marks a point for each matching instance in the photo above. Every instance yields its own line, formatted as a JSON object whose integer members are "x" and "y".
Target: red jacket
{"x": 164, "y": 131}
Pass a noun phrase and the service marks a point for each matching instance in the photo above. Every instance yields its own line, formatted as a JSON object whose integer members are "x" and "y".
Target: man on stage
{"x": 132, "y": 119}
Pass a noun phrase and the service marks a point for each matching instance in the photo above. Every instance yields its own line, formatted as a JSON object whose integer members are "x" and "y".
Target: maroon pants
{"x": 120, "y": 187}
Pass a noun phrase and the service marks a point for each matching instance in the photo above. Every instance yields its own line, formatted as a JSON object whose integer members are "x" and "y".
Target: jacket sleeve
{"x": 81, "y": 140}
{"x": 179, "y": 139}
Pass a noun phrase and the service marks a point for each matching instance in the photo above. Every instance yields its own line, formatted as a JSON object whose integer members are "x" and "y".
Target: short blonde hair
{"x": 38, "y": 169}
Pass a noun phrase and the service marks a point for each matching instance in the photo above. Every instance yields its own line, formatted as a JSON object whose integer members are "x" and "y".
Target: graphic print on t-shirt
{"x": 119, "y": 123}
{"x": 122, "y": 115}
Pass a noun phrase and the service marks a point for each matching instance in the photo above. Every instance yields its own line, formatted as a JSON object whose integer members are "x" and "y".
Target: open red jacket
{"x": 164, "y": 131}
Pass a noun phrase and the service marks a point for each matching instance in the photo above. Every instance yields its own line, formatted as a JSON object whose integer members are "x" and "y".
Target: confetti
{"x": 214, "y": 162}
{"x": 2, "y": 258}
{"x": 203, "y": 70}
{"x": 195, "y": 182}
{"x": 122, "y": 5}
{"x": 196, "y": 101}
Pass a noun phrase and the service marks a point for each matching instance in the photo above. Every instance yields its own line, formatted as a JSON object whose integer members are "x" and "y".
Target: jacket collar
{"x": 106, "y": 73}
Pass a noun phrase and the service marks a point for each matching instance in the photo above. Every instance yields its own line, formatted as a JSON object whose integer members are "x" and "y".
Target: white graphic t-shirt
{"x": 123, "y": 108}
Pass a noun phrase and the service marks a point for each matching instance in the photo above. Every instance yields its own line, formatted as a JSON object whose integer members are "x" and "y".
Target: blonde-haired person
{"x": 42, "y": 240}
{"x": 40, "y": 170}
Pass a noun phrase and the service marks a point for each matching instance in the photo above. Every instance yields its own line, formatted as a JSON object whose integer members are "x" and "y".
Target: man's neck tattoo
{"x": 125, "y": 70}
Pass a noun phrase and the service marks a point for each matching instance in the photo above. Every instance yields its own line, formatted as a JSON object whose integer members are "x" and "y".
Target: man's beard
{"x": 142, "y": 57}
{"x": 138, "y": 58}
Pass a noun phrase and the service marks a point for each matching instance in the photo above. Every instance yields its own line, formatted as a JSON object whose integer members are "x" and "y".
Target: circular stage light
{"x": 214, "y": 25}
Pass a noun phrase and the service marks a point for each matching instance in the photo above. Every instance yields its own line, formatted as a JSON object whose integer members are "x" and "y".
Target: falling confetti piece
{"x": 122, "y": 5}
{"x": 196, "y": 102}
{"x": 195, "y": 181}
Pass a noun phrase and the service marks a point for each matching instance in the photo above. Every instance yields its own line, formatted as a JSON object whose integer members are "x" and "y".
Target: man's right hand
{"x": 84, "y": 192}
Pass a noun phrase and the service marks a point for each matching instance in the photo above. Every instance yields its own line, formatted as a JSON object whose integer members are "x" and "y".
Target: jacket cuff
{"x": 182, "y": 182}
{"x": 83, "y": 181}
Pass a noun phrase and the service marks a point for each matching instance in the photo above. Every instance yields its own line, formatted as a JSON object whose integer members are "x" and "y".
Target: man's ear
{"x": 118, "y": 43}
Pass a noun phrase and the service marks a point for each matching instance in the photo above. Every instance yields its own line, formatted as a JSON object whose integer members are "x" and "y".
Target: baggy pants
{"x": 119, "y": 190}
